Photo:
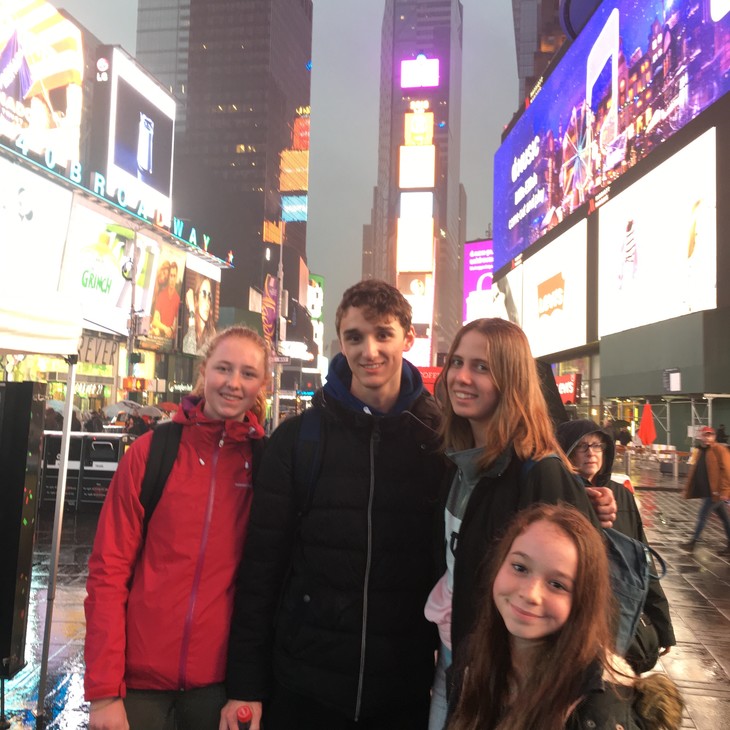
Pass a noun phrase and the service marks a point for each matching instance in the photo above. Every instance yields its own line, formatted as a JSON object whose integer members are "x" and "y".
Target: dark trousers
{"x": 194, "y": 709}
{"x": 707, "y": 507}
{"x": 290, "y": 711}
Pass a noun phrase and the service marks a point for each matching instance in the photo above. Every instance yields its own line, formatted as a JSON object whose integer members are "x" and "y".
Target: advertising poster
{"x": 506, "y": 297}
{"x": 657, "y": 242}
{"x": 418, "y": 289}
{"x": 201, "y": 305}
{"x": 166, "y": 299}
{"x": 41, "y": 77}
{"x": 34, "y": 215}
{"x": 97, "y": 262}
{"x": 554, "y": 294}
{"x": 478, "y": 270}
{"x": 637, "y": 73}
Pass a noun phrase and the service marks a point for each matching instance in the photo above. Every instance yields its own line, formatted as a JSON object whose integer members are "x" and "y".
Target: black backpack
{"x": 630, "y": 563}
{"x": 163, "y": 452}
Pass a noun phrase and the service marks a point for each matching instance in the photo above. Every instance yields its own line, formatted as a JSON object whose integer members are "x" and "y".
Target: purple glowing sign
{"x": 419, "y": 73}
{"x": 478, "y": 268}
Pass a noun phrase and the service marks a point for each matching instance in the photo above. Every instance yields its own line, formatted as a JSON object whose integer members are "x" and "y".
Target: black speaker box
{"x": 21, "y": 428}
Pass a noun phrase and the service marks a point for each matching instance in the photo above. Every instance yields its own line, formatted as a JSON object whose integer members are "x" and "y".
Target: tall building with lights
{"x": 415, "y": 234}
{"x": 538, "y": 37}
{"x": 241, "y": 75}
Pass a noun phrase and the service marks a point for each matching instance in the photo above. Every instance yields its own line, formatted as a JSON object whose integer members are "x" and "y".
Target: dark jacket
{"x": 351, "y": 577}
{"x": 628, "y": 519}
{"x": 502, "y": 492}
{"x": 717, "y": 461}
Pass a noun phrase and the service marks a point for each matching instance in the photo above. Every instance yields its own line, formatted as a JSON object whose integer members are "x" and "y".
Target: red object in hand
{"x": 244, "y": 716}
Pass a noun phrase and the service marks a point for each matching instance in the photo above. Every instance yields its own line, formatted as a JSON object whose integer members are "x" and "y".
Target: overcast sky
{"x": 345, "y": 107}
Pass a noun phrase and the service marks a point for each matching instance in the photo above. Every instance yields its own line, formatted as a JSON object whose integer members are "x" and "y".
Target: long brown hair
{"x": 521, "y": 416}
{"x": 245, "y": 333}
{"x": 554, "y": 684}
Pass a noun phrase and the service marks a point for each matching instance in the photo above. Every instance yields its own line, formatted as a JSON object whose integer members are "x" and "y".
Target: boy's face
{"x": 374, "y": 351}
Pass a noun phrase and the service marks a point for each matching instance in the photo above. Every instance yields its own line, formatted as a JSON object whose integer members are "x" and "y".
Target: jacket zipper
{"x": 187, "y": 629}
{"x": 368, "y": 563}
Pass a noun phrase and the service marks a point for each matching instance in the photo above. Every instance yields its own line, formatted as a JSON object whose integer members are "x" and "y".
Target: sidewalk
{"x": 697, "y": 586}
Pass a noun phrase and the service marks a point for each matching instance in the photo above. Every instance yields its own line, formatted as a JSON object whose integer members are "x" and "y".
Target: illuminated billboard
{"x": 201, "y": 305}
{"x": 420, "y": 72}
{"x": 136, "y": 147}
{"x": 478, "y": 269}
{"x": 99, "y": 250}
{"x": 418, "y": 129}
{"x": 294, "y": 170}
{"x": 506, "y": 299}
{"x": 417, "y": 168}
{"x": 636, "y": 74}
{"x": 414, "y": 244}
{"x": 554, "y": 293}
{"x": 658, "y": 242}
{"x": 418, "y": 289}
{"x": 294, "y": 208}
{"x": 34, "y": 215}
{"x": 41, "y": 76}
{"x": 300, "y": 133}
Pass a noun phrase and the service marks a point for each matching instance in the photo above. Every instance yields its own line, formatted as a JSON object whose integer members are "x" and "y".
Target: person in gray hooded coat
{"x": 591, "y": 450}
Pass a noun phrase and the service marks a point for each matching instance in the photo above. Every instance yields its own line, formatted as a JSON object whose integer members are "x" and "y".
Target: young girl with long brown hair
{"x": 540, "y": 654}
{"x": 497, "y": 432}
{"x": 159, "y": 605}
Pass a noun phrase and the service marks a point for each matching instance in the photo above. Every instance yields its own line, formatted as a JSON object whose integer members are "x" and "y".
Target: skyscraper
{"x": 241, "y": 74}
{"x": 538, "y": 36}
{"x": 415, "y": 235}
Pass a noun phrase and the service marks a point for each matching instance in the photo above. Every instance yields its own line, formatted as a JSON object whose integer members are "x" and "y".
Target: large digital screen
{"x": 294, "y": 208}
{"x": 294, "y": 170}
{"x": 420, "y": 72}
{"x": 637, "y": 73}
{"x": 658, "y": 242}
{"x": 478, "y": 270}
{"x": 96, "y": 266}
{"x": 41, "y": 77}
{"x": 201, "y": 305}
{"x": 139, "y": 152}
{"x": 417, "y": 168}
{"x": 418, "y": 289}
{"x": 506, "y": 299}
{"x": 554, "y": 294}
{"x": 34, "y": 215}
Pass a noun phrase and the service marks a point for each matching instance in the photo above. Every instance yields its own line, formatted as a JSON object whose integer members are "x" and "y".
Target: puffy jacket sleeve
{"x": 266, "y": 559}
{"x": 116, "y": 546}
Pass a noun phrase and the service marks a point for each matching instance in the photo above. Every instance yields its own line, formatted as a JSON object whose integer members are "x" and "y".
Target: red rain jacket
{"x": 158, "y": 613}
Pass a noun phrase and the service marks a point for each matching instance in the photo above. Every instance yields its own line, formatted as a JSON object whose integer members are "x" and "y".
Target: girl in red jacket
{"x": 158, "y": 606}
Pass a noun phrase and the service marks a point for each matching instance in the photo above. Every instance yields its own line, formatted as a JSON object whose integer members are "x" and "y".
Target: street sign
{"x": 281, "y": 359}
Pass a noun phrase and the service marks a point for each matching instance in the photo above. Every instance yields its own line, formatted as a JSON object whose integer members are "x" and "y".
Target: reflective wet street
{"x": 697, "y": 586}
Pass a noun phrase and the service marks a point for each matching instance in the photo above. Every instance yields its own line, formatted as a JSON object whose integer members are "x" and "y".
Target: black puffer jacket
{"x": 337, "y": 598}
{"x": 628, "y": 519}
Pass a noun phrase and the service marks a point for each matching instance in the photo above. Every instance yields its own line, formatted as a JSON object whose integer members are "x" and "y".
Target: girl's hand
{"x": 108, "y": 714}
{"x": 229, "y": 721}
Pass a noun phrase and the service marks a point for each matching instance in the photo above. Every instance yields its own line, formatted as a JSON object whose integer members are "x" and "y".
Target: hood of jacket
{"x": 191, "y": 413}
{"x": 571, "y": 432}
{"x": 339, "y": 382}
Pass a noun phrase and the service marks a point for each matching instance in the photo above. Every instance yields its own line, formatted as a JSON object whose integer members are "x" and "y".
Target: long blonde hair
{"x": 521, "y": 416}
{"x": 244, "y": 333}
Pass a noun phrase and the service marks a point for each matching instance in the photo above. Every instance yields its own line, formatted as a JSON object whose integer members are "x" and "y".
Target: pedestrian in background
{"x": 158, "y": 606}
{"x": 328, "y": 630}
{"x": 709, "y": 480}
{"x": 497, "y": 432}
{"x": 541, "y": 654}
{"x": 591, "y": 451}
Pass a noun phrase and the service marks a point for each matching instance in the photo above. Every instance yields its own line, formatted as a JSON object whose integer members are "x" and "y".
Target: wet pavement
{"x": 697, "y": 585}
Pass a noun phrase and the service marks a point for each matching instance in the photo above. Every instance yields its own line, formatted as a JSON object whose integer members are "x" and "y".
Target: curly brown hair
{"x": 377, "y": 299}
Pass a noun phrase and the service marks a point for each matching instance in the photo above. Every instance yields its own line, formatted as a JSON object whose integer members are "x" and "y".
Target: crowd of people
{"x": 398, "y": 561}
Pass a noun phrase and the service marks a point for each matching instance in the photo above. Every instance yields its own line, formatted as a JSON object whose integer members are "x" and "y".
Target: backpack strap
{"x": 307, "y": 458}
{"x": 163, "y": 452}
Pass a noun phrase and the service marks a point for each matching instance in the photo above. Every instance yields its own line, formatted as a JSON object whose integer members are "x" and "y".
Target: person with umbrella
{"x": 159, "y": 601}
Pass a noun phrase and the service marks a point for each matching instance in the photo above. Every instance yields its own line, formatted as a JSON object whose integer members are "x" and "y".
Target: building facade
{"x": 241, "y": 73}
{"x": 417, "y": 203}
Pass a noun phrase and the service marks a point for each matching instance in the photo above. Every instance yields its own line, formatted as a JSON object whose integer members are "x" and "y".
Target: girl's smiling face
{"x": 533, "y": 590}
